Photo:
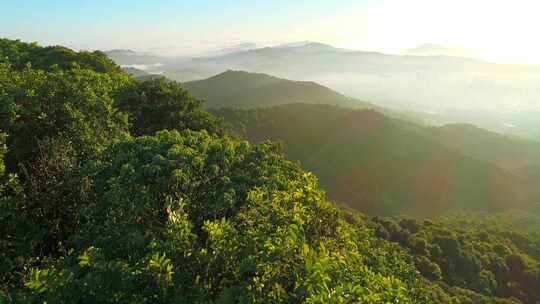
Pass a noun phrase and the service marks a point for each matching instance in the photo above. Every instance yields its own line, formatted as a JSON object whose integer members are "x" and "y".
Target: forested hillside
{"x": 508, "y": 152}
{"x": 381, "y": 165}
{"x": 114, "y": 190}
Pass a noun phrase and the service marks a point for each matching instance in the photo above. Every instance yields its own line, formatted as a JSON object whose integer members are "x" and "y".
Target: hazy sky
{"x": 503, "y": 31}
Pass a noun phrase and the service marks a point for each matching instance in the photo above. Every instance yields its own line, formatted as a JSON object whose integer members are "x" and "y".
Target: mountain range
{"x": 431, "y": 49}
{"x": 446, "y": 89}
{"x": 244, "y": 90}
{"x": 370, "y": 157}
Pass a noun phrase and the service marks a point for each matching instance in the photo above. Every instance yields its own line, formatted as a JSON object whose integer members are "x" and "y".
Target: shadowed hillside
{"x": 505, "y": 151}
{"x": 378, "y": 164}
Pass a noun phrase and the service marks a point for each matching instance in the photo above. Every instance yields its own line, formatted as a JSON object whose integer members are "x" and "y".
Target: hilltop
{"x": 250, "y": 90}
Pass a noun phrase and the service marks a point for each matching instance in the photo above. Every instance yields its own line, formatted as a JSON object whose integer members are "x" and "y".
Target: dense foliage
{"x": 160, "y": 104}
{"x": 473, "y": 260}
{"x": 193, "y": 217}
{"x": 120, "y": 191}
{"x": 3, "y": 150}
{"x": 75, "y": 105}
{"x": 84, "y": 100}
{"x": 19, "y": 54}
{"x": 103, "y": 217}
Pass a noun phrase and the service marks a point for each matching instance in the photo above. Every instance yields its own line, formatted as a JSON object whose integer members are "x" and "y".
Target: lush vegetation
{"x": 120, "y": 191}
{"x": 154, "y": 105}
{"x": 75, "y": 105}
{"x": 19, "y": 54}
{"x": 101, "y": 216}
{"x": 471, "y": 259}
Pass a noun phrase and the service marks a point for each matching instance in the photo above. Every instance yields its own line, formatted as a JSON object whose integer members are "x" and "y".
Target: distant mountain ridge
{"x": 449, "y": 89}
{"x": 121, "y": 52}
{"x": 251, "y": 90}
{"x": 508, "y": 152}
{"x": 310, "y": 46}
{"x": 431, "y": 49}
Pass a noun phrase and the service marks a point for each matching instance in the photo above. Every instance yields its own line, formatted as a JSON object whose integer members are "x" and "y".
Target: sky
{"x": 495, "y": 30}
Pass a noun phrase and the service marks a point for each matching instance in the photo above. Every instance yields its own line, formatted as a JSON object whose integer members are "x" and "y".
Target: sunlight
{"x": 499, "y": 31}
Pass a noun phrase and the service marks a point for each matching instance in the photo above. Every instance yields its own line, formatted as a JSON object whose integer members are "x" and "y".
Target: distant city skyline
{"x": 498, "y": 31}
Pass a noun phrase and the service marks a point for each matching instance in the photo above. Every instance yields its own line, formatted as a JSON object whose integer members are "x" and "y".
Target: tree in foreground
{"x": 192, "y": 217}
{"x": 74, "y": 106}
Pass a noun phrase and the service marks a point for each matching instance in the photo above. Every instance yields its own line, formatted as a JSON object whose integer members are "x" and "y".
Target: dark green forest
{"x": 116, "y": 190}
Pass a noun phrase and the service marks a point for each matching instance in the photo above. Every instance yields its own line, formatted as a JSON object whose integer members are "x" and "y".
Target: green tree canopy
{"x": 100, "y": 204}
{"x": 19, "y": 54}
{"x": 75, "y": 105}
{"x": 161, "y": 104}
{"x": 192, "y": 217}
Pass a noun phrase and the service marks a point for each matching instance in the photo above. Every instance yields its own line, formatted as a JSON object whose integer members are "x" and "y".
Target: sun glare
{"x": 498, "y": 31}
